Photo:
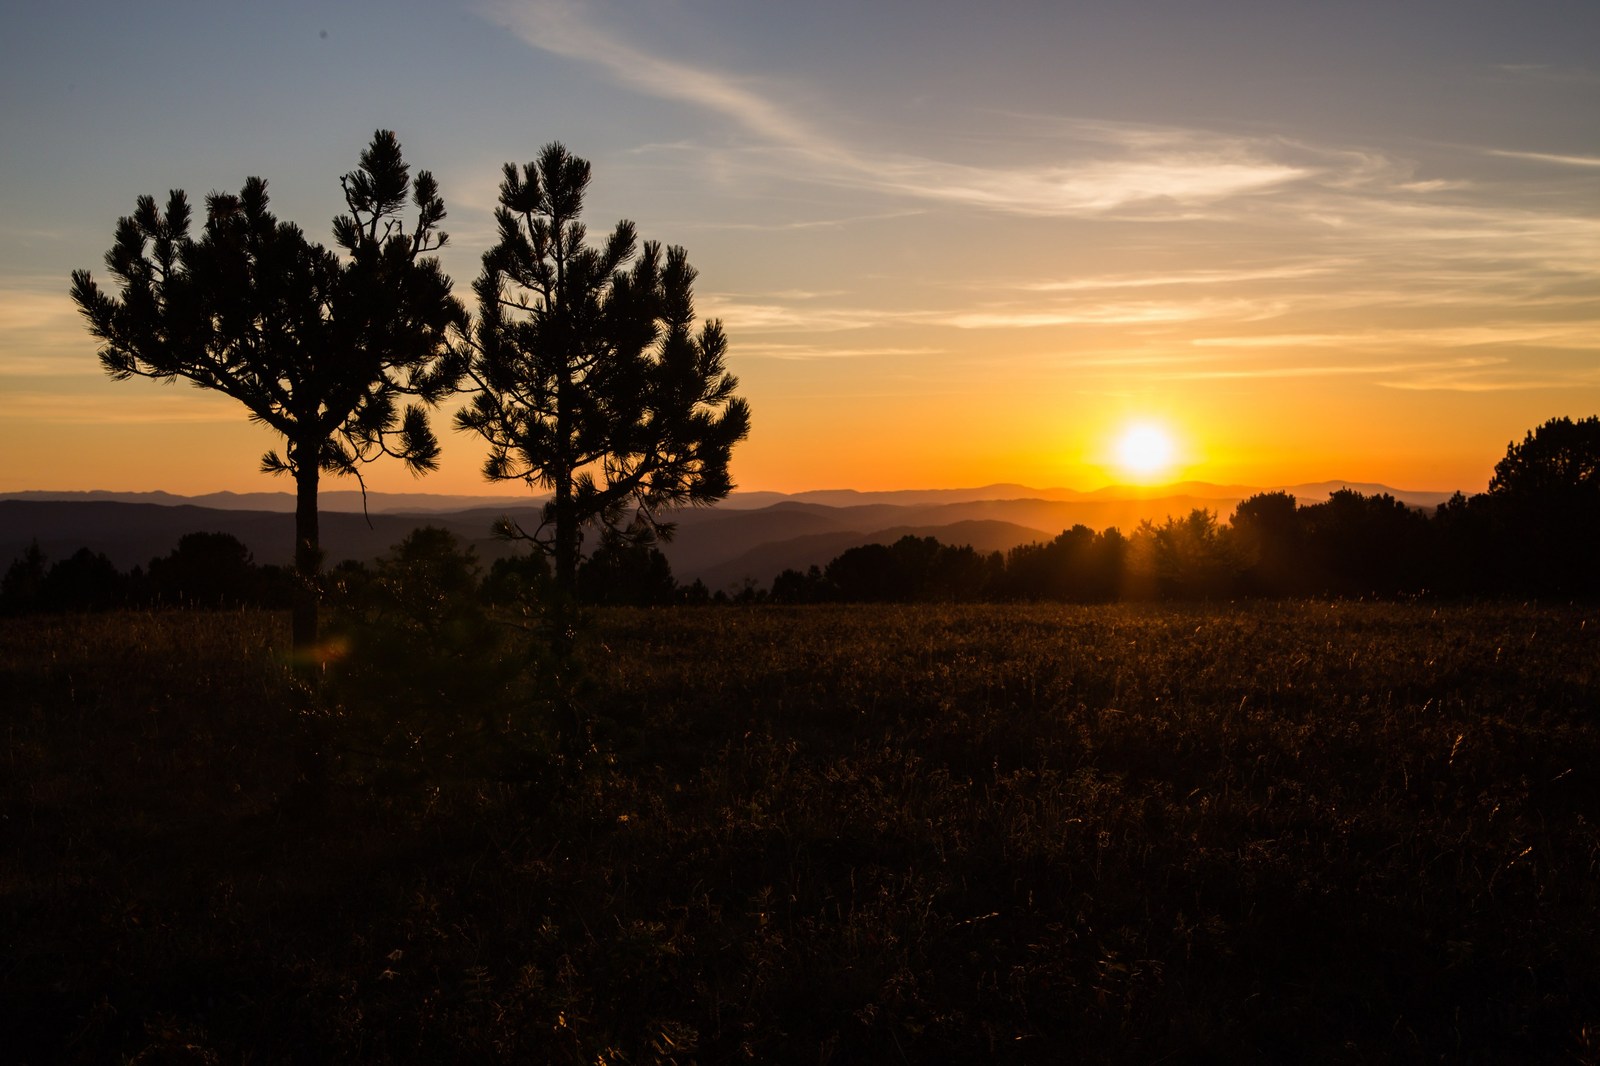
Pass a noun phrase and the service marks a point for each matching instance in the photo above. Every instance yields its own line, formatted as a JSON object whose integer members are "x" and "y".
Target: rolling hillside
{"x": 752, "y": 537}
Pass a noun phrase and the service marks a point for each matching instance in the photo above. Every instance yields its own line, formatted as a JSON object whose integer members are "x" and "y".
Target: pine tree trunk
{"x": 571, "y": 722}
{"x": 567, "y": 532}
{"x": 307, "y": 556}
{"x": 311, "y": 791}
{"x": 566, "y": 539}
{"x": 567, "y": 545}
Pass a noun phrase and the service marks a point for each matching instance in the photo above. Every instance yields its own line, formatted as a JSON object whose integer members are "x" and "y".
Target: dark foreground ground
{"x": 1326, "y": 832}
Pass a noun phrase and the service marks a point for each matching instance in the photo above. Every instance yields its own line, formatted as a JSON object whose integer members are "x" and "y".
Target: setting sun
{"x": 1145, "y": 451}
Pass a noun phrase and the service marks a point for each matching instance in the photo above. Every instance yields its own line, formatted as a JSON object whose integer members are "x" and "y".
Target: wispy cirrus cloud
{"x": 1505, "y": 379}
{"x": 31, "y": 308}
{"x": 1328, "y": 370}
{"x": 1474, "y": 373}
{"x": 1549, "y": 157}
{"x": 42, "y": 335}
{"x": 161, "y": 407}
{"x": 564, "y": 28}
{"x": 803, "y": 313}
{"x": 1445, "y": 265}
{"x": 1134, "y": 313}
{"x": 1545, "y": 72}
{"x": 805, "y": 224}
{"x": 803, "y": 352}
{"x": 1145, "y": 165}
{"x": 782, "y": 312}
{"x": 1086, "y": 187}
{"x": 1192, "y": 278}
{"x": 1577, "y": 336}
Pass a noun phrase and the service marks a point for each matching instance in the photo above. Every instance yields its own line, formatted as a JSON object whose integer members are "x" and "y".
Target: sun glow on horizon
{"x": 1145, "y": 451}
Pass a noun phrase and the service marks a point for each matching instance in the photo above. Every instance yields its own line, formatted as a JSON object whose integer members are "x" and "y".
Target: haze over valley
{"x": 749, "y": 537}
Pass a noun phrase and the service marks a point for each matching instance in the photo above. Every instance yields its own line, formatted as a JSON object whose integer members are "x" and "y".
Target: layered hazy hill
{"x": 750, "y": 537}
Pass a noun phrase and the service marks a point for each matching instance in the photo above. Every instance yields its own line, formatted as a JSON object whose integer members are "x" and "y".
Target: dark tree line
{"x": 207, "y": 570}
{"x": 1535, "y": 532}
{"x": 216, "y": 570}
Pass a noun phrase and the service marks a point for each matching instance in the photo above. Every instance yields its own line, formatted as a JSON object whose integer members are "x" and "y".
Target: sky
{"x": 951, "y": 245}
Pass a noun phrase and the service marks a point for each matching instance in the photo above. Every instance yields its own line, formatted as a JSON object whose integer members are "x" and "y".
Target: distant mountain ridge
{"x": 352, "y": 501}
{"x": 750, "y": 538}
{"x": 345, "y": 501}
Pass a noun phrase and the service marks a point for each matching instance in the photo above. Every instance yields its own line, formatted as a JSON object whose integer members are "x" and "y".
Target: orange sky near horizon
{"x": 182, "y": 440}
{"x": 1357, "y": 244}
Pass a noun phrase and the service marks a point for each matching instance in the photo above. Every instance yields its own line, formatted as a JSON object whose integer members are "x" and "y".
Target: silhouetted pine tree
{"x": 318, "y": 347}
{"x": 593, "y": 383}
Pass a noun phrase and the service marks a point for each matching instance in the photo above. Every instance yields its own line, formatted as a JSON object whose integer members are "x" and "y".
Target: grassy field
{"x": 1312, "y": 832}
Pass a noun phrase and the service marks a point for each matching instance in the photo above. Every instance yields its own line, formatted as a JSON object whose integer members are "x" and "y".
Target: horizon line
{"x": 1109, "y": 487}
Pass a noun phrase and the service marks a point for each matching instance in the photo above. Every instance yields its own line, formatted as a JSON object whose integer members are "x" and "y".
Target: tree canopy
{"x": 594, "y": 382}
{"x": 1544, "y": 498}
{"x": 1558, "y": 461}
{"x": 321, "y": 348}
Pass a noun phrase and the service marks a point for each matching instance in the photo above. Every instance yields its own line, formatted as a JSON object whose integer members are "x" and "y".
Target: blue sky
{"x": 950, "y": 245}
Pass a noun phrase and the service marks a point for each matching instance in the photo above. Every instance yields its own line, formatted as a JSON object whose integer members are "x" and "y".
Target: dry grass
{"x": 1322, "y": 832}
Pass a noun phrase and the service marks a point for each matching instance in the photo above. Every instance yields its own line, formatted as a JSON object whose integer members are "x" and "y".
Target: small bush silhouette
{"x": 423, "y": 676}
